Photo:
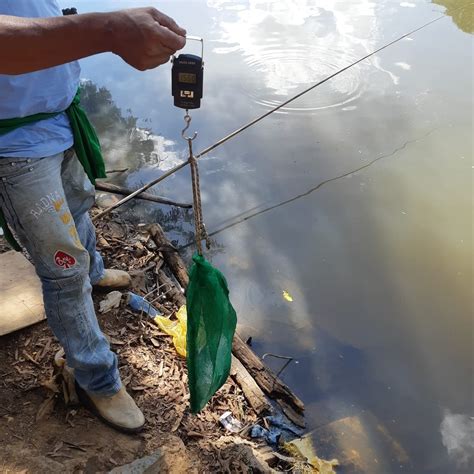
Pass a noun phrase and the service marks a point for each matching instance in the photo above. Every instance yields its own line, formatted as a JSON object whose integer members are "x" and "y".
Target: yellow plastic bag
{"x": 176, "y": 329}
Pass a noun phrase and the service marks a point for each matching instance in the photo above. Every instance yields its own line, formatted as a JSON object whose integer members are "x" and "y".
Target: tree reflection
{"x": 118, "y": 134}
{"x": 461, "y": 11}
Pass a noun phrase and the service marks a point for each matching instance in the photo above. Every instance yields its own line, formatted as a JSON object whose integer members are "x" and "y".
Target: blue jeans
{"x": 46, "y": 203}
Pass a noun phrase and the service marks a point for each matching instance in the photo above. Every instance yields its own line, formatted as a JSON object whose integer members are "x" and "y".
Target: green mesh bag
{"x": 211, "y": 327}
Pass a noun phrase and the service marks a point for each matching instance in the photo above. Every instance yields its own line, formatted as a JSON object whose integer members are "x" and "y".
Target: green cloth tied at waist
{"x": 86, "y": 146}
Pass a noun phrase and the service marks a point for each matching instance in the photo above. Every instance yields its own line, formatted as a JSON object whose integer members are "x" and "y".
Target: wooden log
{"x": 253, "y": 393}
{"x": 113, "y": 188}
{"x": 291, "y": 405}
{"x": 170, "y": 254}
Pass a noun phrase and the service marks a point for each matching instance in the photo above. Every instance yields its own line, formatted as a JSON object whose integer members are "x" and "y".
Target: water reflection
{"x": 293, "y": 44}
{"x": 116, "y": 131}
{"x": 458, "y": 438}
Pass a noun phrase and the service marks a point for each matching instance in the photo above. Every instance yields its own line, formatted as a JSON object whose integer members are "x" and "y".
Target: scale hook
{"x": 187, "y": 119}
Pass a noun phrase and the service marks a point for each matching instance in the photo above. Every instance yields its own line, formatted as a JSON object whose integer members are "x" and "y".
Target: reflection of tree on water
{"x": 118, "y": 134}
{"x": 461, "y": 11}
{"x": 125, "y": 145}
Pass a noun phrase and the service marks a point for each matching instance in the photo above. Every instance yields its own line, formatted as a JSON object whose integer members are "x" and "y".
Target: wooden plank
{"x": 21, "y": 298}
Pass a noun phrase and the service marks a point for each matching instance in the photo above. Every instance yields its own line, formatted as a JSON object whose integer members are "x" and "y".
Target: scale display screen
{"x": 187, "y": 78}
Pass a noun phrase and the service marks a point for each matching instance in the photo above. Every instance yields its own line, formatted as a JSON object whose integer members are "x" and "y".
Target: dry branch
{"x": 170, "y": 254}
{"x": 115, "y": 189}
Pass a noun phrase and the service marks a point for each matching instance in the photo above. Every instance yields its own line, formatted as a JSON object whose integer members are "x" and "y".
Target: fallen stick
{"x": 123, "y": 170}
{"x": 113, "y": 188}
{"x": 140, "y": 191}
{"x": 170, "y": 254}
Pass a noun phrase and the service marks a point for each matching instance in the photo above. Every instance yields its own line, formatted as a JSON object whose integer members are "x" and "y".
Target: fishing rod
{"x": 261, "y": 117}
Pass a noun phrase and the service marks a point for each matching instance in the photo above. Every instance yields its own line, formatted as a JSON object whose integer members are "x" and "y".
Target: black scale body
{"x": 187, "y": 81}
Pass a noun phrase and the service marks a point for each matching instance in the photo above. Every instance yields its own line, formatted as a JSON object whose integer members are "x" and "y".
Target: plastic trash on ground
{"x": 139, "y": 304}
{"x": 174, "y": 328}
{"x": 230, "y": 423}
{"x": 177, "y": 329}
{"x": 111, "y": 301}
{"x": 278, "y": 430}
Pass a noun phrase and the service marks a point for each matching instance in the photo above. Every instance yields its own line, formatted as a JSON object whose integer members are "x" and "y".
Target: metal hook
{"x": 187, "y": 119}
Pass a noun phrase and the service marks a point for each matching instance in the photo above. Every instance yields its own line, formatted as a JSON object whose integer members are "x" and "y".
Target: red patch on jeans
{"x": 63, "y": 260}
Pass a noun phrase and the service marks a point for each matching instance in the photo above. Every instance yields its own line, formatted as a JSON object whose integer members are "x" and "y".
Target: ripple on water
{"x": 290, "y": 70}
{"x": 283, "y": 56}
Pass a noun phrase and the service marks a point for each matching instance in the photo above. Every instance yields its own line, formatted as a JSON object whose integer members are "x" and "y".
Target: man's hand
{"x": 143, "y": 37}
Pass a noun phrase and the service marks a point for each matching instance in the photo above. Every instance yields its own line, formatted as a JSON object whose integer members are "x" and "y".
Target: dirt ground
{"x": 40, "y": 434}
{"x": 37, "y": 436}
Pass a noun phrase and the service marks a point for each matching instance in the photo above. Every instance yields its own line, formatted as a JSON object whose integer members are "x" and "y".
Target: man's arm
{"x": 143, "y": 37}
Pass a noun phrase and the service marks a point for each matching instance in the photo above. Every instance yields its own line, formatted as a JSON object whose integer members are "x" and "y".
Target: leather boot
{"x": 114, "y": 280}
{"x": 118, "y": 411}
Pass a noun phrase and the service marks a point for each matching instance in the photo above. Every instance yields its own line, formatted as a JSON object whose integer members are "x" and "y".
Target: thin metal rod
{"x": 289, "y": 360}
{"x": 258, "y": 119}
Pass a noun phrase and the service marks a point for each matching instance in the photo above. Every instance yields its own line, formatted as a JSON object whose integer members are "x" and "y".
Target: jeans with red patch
{"x": 46, "y": 203}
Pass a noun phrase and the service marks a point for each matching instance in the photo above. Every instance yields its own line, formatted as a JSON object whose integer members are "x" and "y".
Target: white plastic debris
{"x": 111, "y": 301}
{"x": 230, "y": 423}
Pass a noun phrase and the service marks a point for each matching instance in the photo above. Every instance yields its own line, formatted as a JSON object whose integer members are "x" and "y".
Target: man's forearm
{"x": 143, "y": 37}
{"x": 30, "y": 44}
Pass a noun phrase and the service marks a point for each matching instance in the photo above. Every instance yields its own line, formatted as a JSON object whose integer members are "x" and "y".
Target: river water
{"x": 356, "y": 200}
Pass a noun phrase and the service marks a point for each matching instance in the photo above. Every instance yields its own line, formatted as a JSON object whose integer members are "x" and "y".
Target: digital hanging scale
{"x": 187, "y": 77}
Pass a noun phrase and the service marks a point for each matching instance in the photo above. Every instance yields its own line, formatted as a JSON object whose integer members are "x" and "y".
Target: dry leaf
{"x": 51, "y": 385}
{"x": 116, "y": 342}
{"x": 46, "y": 409}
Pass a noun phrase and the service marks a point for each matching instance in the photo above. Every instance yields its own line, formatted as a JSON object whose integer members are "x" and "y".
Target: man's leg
{"x": 35, "y": 205}
{"x": 80, "y": 195}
